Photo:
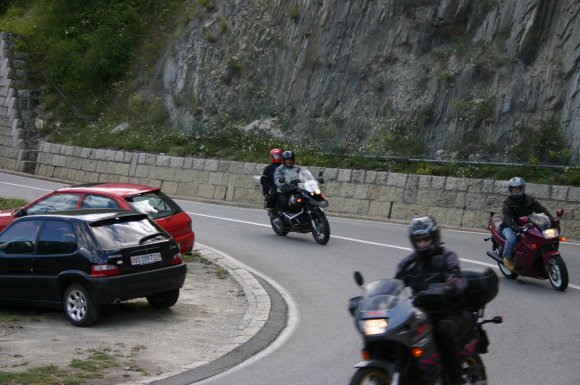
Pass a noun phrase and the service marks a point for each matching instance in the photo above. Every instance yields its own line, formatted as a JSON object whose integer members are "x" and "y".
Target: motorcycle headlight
{"x": 551, "y": 233}
{"x": 373, "y": 327}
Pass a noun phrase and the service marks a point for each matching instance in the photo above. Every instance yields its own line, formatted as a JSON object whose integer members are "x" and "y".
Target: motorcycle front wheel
{"x": 321, "y": 228}
{"x": 557, "y": 273}
{"x": 474, "y": 370}
{"x": 278, "y": 226}
{"x": 370, "y": 376}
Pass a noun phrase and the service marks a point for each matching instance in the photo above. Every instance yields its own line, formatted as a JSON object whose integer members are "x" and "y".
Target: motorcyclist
{"x": 516, "y": 205}
{"x": 451, "y": 321}
{"x": 267, "y": 180}
{"x": 283, "y": 177}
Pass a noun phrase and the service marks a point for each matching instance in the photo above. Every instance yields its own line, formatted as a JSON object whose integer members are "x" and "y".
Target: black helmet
{"x": 425, "y": 228}
{"x": 517, "y": 182}
{"x": 288, "y": 155}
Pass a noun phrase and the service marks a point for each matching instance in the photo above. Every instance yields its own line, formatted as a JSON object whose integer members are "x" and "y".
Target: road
{"x": 536, "y": 344}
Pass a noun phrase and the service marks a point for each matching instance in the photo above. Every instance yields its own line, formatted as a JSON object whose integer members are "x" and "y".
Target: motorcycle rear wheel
{"x": 557, "y": 273}
{"x": 321, "y": 230}
{"x": 368, "y": 376}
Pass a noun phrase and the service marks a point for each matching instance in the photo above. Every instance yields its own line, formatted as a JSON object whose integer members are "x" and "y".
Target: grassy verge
{"x": 196, "y": 257}
{"x": 79, "y": 371}
{"x": 7, "y": 203}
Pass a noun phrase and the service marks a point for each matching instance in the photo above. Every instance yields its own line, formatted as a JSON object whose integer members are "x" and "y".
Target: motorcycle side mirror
{"x": 320, "y": 173}
{"x": 560, "y": 212}
{"x": 358, "y": 278}
{"x": 438, "y": 263}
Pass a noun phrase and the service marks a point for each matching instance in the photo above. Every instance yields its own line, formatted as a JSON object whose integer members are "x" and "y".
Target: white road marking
{"x": 491, "y": 265}
{"x": 30, "y": 187}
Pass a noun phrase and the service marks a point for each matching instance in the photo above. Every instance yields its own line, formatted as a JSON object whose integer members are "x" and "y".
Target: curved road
{"x": 538, "y": 342}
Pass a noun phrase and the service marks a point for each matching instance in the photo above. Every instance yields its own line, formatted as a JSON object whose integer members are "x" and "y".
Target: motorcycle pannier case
{"x": 482, "y": 287}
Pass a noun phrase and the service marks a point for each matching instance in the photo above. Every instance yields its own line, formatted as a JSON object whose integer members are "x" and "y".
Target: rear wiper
{"x": 151, "y": 236}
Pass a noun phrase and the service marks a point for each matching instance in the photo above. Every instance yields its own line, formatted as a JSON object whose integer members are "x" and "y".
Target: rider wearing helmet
{"x": 450, "y": 322}
{"x": 267, "y": 180}
{"x": 288, "y": 173}
{"x": 517, "y": 204}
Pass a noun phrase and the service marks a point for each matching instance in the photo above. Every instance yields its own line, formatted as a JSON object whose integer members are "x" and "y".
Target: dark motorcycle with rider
{"x": 425, "y": 325}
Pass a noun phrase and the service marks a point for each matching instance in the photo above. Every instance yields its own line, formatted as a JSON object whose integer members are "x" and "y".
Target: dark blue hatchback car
{"x": 82, "y": 259}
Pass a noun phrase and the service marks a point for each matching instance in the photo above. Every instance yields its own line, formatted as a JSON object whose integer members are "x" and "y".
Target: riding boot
{"x": 508, "y": 263}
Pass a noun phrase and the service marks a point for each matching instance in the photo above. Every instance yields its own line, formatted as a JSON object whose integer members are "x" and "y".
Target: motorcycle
{"x": 305, "y": 212}
{"x": 536, "y": 254}
{"x": 399, "y": 345}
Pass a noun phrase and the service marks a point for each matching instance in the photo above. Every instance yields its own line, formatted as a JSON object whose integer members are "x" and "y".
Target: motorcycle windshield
{"x": 541, "y": 221}
{"x": 307, "y": 181}
{"x": 383, "y": 295}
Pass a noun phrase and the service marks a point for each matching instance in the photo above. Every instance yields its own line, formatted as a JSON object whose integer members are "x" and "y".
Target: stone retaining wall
{"x": 382, "y": 195}
{"x": 18, "y": 137}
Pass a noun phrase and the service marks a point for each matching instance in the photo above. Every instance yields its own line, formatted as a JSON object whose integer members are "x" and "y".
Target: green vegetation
{"x": 7, "y": 203}
{"x": 196, "y": 257}
{"x": 79, "y": 371}
{"x": 542, "y": 143}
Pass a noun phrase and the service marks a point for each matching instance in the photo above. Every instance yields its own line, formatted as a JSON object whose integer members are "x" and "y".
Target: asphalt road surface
{"x": 538, "y": 342}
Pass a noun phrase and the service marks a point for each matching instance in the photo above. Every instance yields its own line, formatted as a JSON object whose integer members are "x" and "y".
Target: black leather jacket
{"x": 514, "y": 208}
{"x": 417, "y": 273}
{"x": 267, "y": 178}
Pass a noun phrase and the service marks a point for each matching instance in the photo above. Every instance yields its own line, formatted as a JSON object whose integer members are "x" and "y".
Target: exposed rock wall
{"x": 472, "y": 75}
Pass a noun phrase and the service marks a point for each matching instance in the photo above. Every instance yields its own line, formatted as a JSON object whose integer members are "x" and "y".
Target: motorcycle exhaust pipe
{"x": 494, "y": 256}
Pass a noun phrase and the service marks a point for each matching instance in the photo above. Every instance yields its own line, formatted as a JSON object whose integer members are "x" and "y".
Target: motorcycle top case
{"x": 482, "y": 287}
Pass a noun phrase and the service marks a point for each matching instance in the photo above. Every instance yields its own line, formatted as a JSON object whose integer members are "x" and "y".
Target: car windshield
{"x": 155, "y": 204}
{"x": 384, "y": 294}
{"x": 112, "y": 235}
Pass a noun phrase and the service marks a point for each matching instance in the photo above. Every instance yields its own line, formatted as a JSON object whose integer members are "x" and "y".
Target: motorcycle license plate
{"x": 145, "y": 259}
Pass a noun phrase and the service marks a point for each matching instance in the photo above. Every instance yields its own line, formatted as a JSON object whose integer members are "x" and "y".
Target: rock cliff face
{"x": 471, "y": 77}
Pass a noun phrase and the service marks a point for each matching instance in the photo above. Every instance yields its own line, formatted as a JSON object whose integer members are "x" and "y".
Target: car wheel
{"x": 164, "y": 299}
{"x": 79, "y": 307}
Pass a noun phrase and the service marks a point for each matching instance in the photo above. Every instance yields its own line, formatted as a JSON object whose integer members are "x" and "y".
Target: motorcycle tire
{"x": 474, "y": 370}
{"x": 368, "y": 376}
{"x": 321, "y": 230}
{"x": 557, "y": 273}
{"x": 279, "y": 228}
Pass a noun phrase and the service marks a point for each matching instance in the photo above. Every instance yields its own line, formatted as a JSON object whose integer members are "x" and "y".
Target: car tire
{"x": 164, "y": 300}
{"x": 79, "y": 307}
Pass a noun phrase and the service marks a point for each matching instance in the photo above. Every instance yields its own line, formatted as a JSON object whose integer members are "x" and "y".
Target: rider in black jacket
{"x": 450, "y": 322}
{"x": 267, "y": 180}
{"x": 517, "y": 204}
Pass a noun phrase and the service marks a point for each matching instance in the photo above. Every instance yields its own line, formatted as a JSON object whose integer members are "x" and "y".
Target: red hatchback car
{"x": 126, "y": 196}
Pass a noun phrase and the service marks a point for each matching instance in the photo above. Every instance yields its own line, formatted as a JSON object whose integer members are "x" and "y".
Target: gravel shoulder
{"x": 210, "y": 319}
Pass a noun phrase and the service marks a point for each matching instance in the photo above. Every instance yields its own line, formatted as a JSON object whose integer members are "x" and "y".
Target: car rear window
{"x": 112, "y": 235}
{"x": 155, "y": 204}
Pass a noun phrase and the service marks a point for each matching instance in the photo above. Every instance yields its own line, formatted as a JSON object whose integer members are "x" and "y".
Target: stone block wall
{"x": 18, "y": 137}
{"x": 454, "y": 202}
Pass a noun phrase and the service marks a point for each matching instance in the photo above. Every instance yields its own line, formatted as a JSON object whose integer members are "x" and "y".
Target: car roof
{"x": 120, "y": 189}
{"x": 89, "y": 215}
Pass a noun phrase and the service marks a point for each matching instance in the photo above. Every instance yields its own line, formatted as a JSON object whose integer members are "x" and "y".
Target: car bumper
{"x": 110, "y": 289}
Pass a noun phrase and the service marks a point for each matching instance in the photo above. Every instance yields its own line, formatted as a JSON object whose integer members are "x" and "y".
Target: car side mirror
{"x": 19, "y": 213}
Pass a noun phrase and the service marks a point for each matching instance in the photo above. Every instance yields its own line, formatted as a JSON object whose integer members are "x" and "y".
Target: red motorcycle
{"x": 536, "y": 254}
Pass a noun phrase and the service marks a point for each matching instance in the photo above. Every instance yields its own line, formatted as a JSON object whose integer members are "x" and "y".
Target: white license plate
{"x": 145, "y": 259}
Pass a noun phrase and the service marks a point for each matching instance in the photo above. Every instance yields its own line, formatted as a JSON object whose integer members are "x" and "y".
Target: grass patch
{"x": 8, "y": 203}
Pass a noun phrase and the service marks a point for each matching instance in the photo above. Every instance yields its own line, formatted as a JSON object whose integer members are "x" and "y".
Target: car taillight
{"x": 177, "y": 259}
{"x": 104, "y": 271}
